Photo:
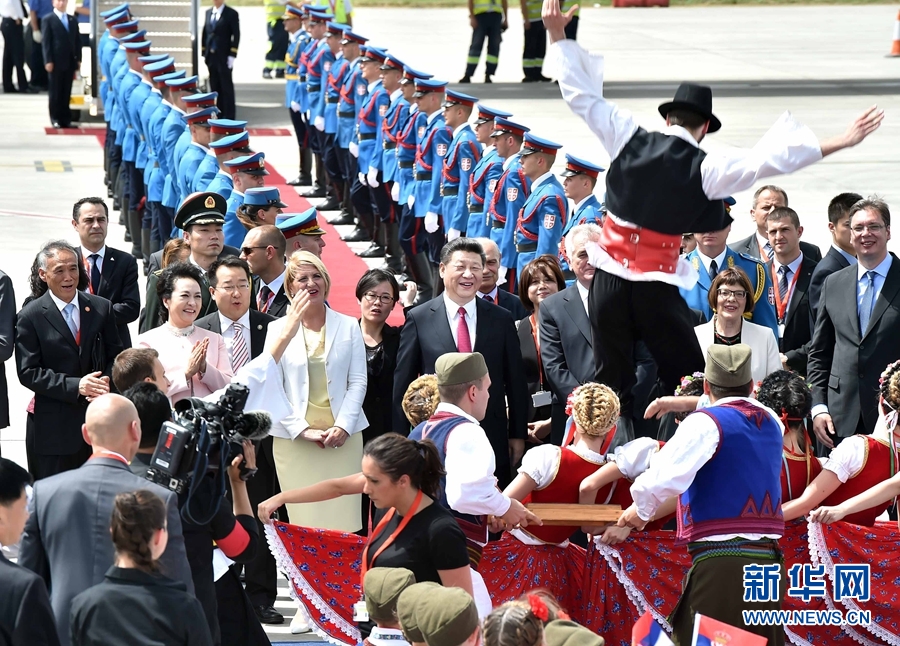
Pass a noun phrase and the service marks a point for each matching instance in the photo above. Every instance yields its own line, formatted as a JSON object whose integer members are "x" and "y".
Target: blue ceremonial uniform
{"x": 462, "y": 156}
{"x": 222, "y": 184}
{"x": 182, "y": 185}
{"x": 481, "y": 189}
{"x": 393, "y": 125}
{"x": 233, "y": 231}
{"x": 130, "y": 83}
{"x": 172, "y": 130}
{"x": 431, "y": 149}
{"x": 540, "y": 225}
{"x": 407, "y": 145}
{"x": 301, "y": 91}
{"x": 353, "y": 91}
{"x": 763, "y": 293}
{"x": 291, "y": 62}
{"x": 205, "y": 172}
{"x": 512, "y": 190}
{"x": 189, "y": 164}
{"x": 320, "y": 61}
{"x": 371, "y": 113}
{"x": 339, "y": 69}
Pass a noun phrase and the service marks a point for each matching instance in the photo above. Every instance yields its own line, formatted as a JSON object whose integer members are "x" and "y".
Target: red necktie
{"x": 463, "y": 341}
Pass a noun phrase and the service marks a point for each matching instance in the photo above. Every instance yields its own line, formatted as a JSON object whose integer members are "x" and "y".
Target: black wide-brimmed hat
{"x": 694, "y": 98}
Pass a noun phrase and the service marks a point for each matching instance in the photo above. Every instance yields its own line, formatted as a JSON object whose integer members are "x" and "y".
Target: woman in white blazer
{"x": 730, "y": 297}
{"x": 323, "y": 373}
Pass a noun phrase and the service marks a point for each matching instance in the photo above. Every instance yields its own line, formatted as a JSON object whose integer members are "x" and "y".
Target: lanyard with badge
{"x": 781, "y": 306}
{"x": 542, "y": 397}
{"x": 359, "y": 608}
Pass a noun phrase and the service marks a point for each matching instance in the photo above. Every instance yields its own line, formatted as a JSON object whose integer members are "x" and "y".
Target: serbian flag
{"x": 647, "y": 632}
{"x": 710, "y": 632}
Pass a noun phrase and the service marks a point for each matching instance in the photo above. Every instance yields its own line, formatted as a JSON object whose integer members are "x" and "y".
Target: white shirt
{"x": 396, "y": 94}
{"x": 431, "y": 117}
{"x": 276, "y": 284}
{"x": 540, "y": 180}
{"x": 471, "y": 485}
{"x": 453, "y": 318}
{"x": 60, "y": 305}
{"x": 706, "y": 260}
{"x": 582, "y": 201}
{"x": 762, "y": 241}
{"x": 225, "y": 324}
{"x": 459, "y": 128}
{"x": 86, "y": 254}
{"x": 63, "y": 17}
{"x": 492, "y": 294}
{"x": 12, "y": 9}
{"x": 673, "y": 470}
{"x": 850, "y": 258}
{"x": 583, "y": 293}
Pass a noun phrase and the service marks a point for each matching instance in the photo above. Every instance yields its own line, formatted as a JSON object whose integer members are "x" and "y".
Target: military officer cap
{"x": 115, "y": 10}
{"x": 459, "y": 368}
{"x": 382, "y": 587}
{"x": 447, "y": 616}
{"x": 336, "y": 28}
{"x": 201, "y": 208}
{"x": 576, "y": 166}
{"x": 534, "y": 144}
{"x": 563, "y": 632}
{"x": 407, "y": 604}
{"x": 254, "y": 164}
{"x": 370, "y": 54}
{"x": 164, "y": 66}
{"x": 227, "y": 126}
{"x": 426, "y": 86}
{"x": 299, "y": 224}
{"x": 728, "y": 366}
{"x": 320, "y": 16}
{"x": 292, "y": 12}
{"x": 117, "y": 19}
{"x": 263, "y": 197}
{"x": 152, "y": 58}
{"x": 486, "y": 114}
{"x": 503, "y": 126}
{"x": 162, "y": 79}
{"x": 136, "y": 37}
{"x": 458, "y": 98}
{"x": 201, "y": 117}
{"x": 237, "y": 142}
{"x": 127, "y": 25}
{"x": 353, "y": 37}
{"x": 410, "y": 75}
{"x": 391, "y": 62}
{"x": 183, "y": 84}
{"x": 137, "y": 46}
{"x": 306, "y": 8}
{"x": 202, "y": 100}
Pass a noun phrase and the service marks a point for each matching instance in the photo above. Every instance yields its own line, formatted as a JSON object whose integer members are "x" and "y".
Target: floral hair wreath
{"x": 570, "y": 401}
{"x": 686, "y": 380}
{"x": 887, "y": 372}
{"x": 539, "y": 609}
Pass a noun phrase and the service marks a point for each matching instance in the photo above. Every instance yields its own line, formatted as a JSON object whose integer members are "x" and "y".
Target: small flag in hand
{"x": 647, "y": 632}
{"x": 711, "y": 632}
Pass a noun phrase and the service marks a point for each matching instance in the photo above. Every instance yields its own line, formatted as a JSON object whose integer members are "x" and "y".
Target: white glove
{"x": 501, "y": 275}
{"x": 431, "y": 222}
{"x": 36, "y": 36}
{"x": 395, "y": 192}
{"x": 373, "y": 177}
{"x": 230, "y": 62}
{"x": 362, "y": 179}
{"x": 295, "y": 106}
{"x": 354, "y": 149}
{"x": 319, "y": 123}
{"x": 453, "y": 234}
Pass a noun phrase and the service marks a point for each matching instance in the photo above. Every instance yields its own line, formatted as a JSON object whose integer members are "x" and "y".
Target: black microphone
{"x": 252, "y": 425}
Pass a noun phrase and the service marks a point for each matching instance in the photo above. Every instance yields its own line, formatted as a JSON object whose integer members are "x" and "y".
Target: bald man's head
{"x": 111, "y": 422}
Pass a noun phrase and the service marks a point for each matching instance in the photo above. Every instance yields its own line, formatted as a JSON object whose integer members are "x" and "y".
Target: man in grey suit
{"x": 765, "y": 200}
{"x": 856, "y": 330}
{"x": 66, "y": 540}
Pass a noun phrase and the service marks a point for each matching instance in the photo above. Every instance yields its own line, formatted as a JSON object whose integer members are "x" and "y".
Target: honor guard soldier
{"x": 485, "y": 174}
{"x": 198, "y": 123}
{"x": 319, "y": 57}
{"x": 173, "y": 128}
{"x": 226, "y": 149}
{"x": 302, "y": 232}
{"x": 432, "y": 145}
{"x": 333, "y": 80}
{"x": 459, "y": 162}
{"x": 218, "y": 129}
{"x": 353, "y": 89}
{"x": 509, "y": 197}
{"x": 262, "y": 205}
{"x": 247, "y": 172}
{"x": 294, "y": 23}
{"x": 580, "y": 179}
{"x": 192, "y": 103}
{"x": 543, "y": 218}
{"x": 118, "y": 24}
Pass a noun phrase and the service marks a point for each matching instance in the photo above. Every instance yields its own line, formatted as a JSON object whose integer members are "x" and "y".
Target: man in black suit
{"x": 7, "y": 341}
{"x": 765, "y": 199}
{"x": 791, "y": 273}
{"x": 66, "y": 342}
{"x": 61, "y": 46}
{"x": 26, "y": 618}
{"x": 112, "y": 274}
{"x": 489, "y": 290}
{"x": 229, "y": 283}
{"x": 841, "y": 254}
{"x": 458, "y": 321}
{"x": 221, "y": 37}
{"x": 856, "y": 330}
{"x": 264, "y": 249}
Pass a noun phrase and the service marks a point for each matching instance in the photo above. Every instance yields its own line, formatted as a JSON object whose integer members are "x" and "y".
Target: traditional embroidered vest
{"x": 879, "y": 465}
{"x": 438, "y": 429}
{"x": 738, "y": 491}
{"x": 796, "y": 473}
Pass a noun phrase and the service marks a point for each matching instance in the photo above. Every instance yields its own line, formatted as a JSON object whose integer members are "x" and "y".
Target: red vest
{"x": 878, "y": 466}
{"x": 796, "y": 474}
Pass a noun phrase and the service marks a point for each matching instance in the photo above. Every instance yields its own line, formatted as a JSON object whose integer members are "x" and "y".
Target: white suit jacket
{"x": 345, "y": 369}
{"x": 764, "y": 358}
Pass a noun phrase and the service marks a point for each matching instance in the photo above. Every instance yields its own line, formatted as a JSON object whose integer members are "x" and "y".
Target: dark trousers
{"x": 36, "y": 61}
{"x": 489, "y": 25}
{"x": 299, "y": 128}
{"x": 381, "y": 198}
{"x": 534, "y": 50}
{"x": 278, "y": 44}
{"x": 361, "y": 197}
{"x": 41, "y": 465}
{"x": 412, "y": 232}
{"x": 331, "y": 159}
{"x": 572, "y": 28}
{"x": 237, "y": 621}
{"x": 220, "y": 81}
{"x": 135, "y": 186}
{"x": 260, "y": 574}
{"x": 60, "y": 90}
{"x": 13, "y": 54}
{"x": 623, "y": 312}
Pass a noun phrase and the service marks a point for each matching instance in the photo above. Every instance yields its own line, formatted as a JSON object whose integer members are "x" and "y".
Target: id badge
{"x": 781, "y": 330}
{"x": 542, "y": 398}
{"x": 360, "y": 614}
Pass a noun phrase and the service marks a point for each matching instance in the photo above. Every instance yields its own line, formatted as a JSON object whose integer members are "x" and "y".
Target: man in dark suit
{"x": 112, "y": 274}
{"x": 26, "y": 618}
{"x": 7, "y": 341}
{"x": 856, "y": 330}
{"x": 66, "y": 540}
{"x": 221, "y": 37}
{"x": 765, "y": 199}
{"x": 791, "y": 273}
{"x": 229, "y": 283}
{"x": 66, "y": 342}
{"x": 489, "y": 290}
{"x": 458, "y": 321}
{"x": 841, "y": 254}
{"x": 61, "y": 46}
{"x": 264, "y": 249}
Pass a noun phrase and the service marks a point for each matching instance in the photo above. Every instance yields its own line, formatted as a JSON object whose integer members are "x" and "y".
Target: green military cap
{"x": 201, "y": 208}
{"x": 407, "y": 603}
{"x": 563, "y": 632}
{"x": 382, "y": 587}
{"x": 459, "y": 368}
{"x": 728, "y": 366}
{"x": 447, "y": 616}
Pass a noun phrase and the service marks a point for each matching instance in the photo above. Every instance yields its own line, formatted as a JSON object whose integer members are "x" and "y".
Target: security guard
{"x": 580, "y": 178}
{"x": 294, "y": 22}
{"x": 248, "y": 171}
{"x": 485, "y": 174}
{"x": 335, "y": 80}
{"x": 226, "y": 149}
{"x": 542, "y": 219}
{"x": 353, "y": 90}
{"x": 319, "y": 55}
{"x": 462, "y": 155}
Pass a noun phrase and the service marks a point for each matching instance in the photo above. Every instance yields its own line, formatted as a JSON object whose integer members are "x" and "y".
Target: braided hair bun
{"x": 136, "y": 516}
{"x": 890, "y": 386}
{"x": 421, "y": 399}
{"x": 595, "y": 408}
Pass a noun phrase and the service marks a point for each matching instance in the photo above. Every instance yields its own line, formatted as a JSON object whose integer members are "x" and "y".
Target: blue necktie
{"x": 65, "y": 22}
{"x": 69, "y": 315}
{"x": 867, "y": 304}
{"x": 713, "y": 270}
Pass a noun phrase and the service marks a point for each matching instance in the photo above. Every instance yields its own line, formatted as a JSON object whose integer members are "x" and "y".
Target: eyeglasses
{"x": 738, "y": 294}
{"x": 248, "y": 250}
{"x": 385, "y": 299}
{"x": 231, "y": 288}
{"x": 873, "y": 228}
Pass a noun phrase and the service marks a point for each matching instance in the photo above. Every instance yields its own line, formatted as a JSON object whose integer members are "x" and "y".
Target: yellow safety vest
{"x": 336, "y": 7}
{"x": 567, "y": 4}
{"x": 274, "y": 10}
{"x": 487, "y": 6}
{"x": 534, "y": 9}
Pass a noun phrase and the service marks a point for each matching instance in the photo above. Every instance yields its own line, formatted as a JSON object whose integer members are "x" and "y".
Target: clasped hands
{"x": 333, "y": 437}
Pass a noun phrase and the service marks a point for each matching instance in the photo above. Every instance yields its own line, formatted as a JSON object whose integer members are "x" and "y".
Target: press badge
{"x": 542, "y": 398}
{"x": 781, "y": 330}
{"x": 360, "y": 614}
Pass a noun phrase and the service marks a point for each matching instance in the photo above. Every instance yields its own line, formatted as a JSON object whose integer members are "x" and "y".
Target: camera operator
{"x": 234, "y": 530}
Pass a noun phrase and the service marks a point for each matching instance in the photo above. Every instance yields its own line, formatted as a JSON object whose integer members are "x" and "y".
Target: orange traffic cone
{"x": 895, "y": 46}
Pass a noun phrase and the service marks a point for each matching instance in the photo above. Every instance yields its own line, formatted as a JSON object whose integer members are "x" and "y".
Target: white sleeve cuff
{"x": 818, "y": 409}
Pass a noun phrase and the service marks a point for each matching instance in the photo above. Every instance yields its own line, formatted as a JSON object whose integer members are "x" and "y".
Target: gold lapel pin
{"x": 87, "y": 309}
{"x": 259, "y": 327}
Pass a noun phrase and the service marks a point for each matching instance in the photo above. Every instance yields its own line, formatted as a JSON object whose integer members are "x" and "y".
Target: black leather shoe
{"x": 465, "y": 79}
{"x": 315, "y": 191}
{"x": 357, "y": 235}
{"x": 268, "y": 615}
{"x": 279, "y": 74}
{"x": 344, "y": 218}
{"x": 267, "y": 73}
{"x": 393, "y": 265}
{"x": 544, "y": 79}
{"x": 55, "y": 124}
{"x": 487, "y": 78}
{"x": 127, "y": 237}
{"x": 375, "y": 250}
{"x": 331, "y": 204}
